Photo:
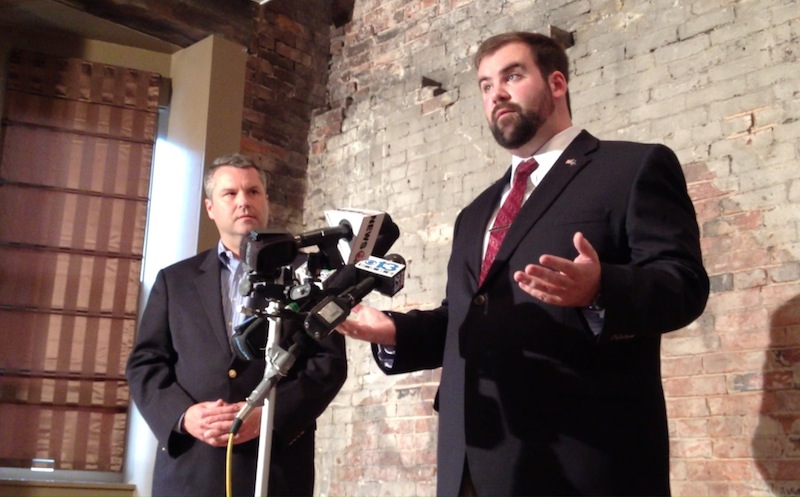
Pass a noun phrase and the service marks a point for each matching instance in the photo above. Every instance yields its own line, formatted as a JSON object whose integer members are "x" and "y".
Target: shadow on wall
{"x": 776, "y": 441}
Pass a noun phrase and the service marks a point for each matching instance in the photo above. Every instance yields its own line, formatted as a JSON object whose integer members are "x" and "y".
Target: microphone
{"x": 374, "y": 232}
{"x": 386, "y": 276}
{"x": 268, "y": 250}
{"x": 387, "y": 235}
{"x": 326, "y": 236}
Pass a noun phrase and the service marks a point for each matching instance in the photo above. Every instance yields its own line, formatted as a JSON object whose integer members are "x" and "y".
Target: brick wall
{"x": 287, "y": 70}
{"x": 716, "y": 81}
{"x": 399, "y": 127}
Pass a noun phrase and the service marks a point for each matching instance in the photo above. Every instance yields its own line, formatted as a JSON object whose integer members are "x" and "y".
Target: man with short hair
{"x": 188, "y": 383}
{"x": 562, "y": 278}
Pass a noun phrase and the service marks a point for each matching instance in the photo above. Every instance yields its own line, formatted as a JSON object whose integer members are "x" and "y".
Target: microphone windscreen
{"x": 395, "y": 258}
{"x": 369, "y": 228}
{"x": 388, "y": 234}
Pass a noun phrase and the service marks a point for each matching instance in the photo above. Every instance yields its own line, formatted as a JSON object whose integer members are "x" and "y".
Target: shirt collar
{"x": 226, "y": 257}
{"x": 548, "y": 154}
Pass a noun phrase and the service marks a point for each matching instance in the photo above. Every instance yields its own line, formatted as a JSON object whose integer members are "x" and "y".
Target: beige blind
{"x": 77, "y": 145}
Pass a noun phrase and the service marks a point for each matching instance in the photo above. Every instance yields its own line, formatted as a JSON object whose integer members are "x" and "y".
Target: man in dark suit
{"x": 188, "y": 383}
{"x": 551, "y": 359}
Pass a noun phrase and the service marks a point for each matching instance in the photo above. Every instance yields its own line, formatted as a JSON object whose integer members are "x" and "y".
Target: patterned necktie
{"x": 506, "y": 215}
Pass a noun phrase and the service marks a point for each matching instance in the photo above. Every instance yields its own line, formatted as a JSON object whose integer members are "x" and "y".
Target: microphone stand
{"x": 278, "y": 364}
{"x": 268, "y": 411}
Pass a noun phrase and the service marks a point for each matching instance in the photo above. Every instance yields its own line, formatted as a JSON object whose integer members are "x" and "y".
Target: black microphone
{"x": 386, "y": 276}
{"x": 387, "y": 235}
{"x": 268, "y": 250}
{"x": 326, "y": 236}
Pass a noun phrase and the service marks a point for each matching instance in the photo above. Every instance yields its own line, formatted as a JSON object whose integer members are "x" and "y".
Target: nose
{"x": 242, "y": 199}
{"x": 499, "y": 93}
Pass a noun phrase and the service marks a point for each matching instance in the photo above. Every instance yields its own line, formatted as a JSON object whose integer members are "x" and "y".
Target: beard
{"x": 522, "y": 126}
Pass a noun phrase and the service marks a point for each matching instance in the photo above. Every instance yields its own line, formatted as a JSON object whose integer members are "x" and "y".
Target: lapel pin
{"x": 571, "y": 162}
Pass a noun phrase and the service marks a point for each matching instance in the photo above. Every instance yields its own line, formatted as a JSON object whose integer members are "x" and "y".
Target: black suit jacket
{"x": 182, "y": 356}
{"x": 530, "y": 397}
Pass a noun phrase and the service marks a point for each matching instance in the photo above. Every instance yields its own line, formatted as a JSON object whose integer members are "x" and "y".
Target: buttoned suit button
{"x": 479, "y": 299}
{"x": 232, "y": 373}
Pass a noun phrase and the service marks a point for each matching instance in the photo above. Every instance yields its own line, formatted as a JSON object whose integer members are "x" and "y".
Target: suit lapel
{"x": 479, "y": 216}
{"x": 572, "y": 161}
{"x": 210, "y": 293}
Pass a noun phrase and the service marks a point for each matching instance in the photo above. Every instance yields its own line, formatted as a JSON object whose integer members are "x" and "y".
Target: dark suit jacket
{"x": 182, "y": 356}
{"x": 529, "y": 396}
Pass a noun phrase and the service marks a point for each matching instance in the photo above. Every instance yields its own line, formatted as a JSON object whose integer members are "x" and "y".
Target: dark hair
{"x": 548, "y": 53}
{"x": 234, "y": 160}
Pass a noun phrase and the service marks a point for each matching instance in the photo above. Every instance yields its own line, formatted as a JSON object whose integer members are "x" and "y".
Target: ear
{"x": 558, "y": 84}
{"x": 208, "y": 203}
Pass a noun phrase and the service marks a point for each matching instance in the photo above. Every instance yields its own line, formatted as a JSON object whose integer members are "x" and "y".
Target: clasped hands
{"x": 210, "y": 422}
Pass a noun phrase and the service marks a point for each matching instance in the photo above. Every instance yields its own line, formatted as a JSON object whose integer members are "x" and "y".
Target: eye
{"x": 486, "y": 87}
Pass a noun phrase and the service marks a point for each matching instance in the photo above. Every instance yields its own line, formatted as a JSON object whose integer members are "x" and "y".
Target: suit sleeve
{"x": 420, "y": 335}
{"x": 150, "y": 368}
{"x": 420, "y": 341}
{"x": 664, "y": 286}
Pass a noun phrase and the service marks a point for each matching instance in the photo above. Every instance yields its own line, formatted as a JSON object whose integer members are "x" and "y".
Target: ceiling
{"x": 54, "y": 18}
{"x": 158, "y": 25}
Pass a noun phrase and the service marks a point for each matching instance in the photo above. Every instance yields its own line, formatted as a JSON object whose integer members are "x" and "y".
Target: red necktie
{"x": 507, "y": 213}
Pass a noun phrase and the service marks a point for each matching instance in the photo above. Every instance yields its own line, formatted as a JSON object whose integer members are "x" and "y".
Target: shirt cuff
{"x": 386, "y": 355}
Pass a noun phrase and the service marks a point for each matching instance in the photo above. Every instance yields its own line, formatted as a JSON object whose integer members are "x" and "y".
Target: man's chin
{"x": 506, "y": 120}
{"x": 248, "y": 225}
{"x": 504, "y": 135}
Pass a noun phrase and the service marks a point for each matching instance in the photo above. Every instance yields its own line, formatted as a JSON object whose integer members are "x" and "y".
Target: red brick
{"x": 738, "y": 299}
{"x": 681, "y": 366}
{"x": 690, "y": 427}
{"x": 725, "y": 426}
{"x": 722, "y": 469}
{"x": 690, "y": 448}
{"x": 746, "y": 339}
{"x": 686, "y": 407}
{"x": 733, "y": 448}
{"x": 749, "y": 319}
{"x": 781, "y": 469}
{"x": 688, "y": 347}
{"x": 788, "y": 401}
{"x": 697, "y": 171}
{"x": 783, "y": 293}
{"x": 756, "y": 487}
{"x": 786, "y": 315}
{"x": 695, "y": 489}
{"x": 766, "y": 447}
{"x": 704, "y": 190}
{"x": 778, "y": 380}
{"x": 706, "y": 209}
{"x": 695, "y": 386}
{"x": 744, "y": 403}
{"x": 728, "y": 362}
